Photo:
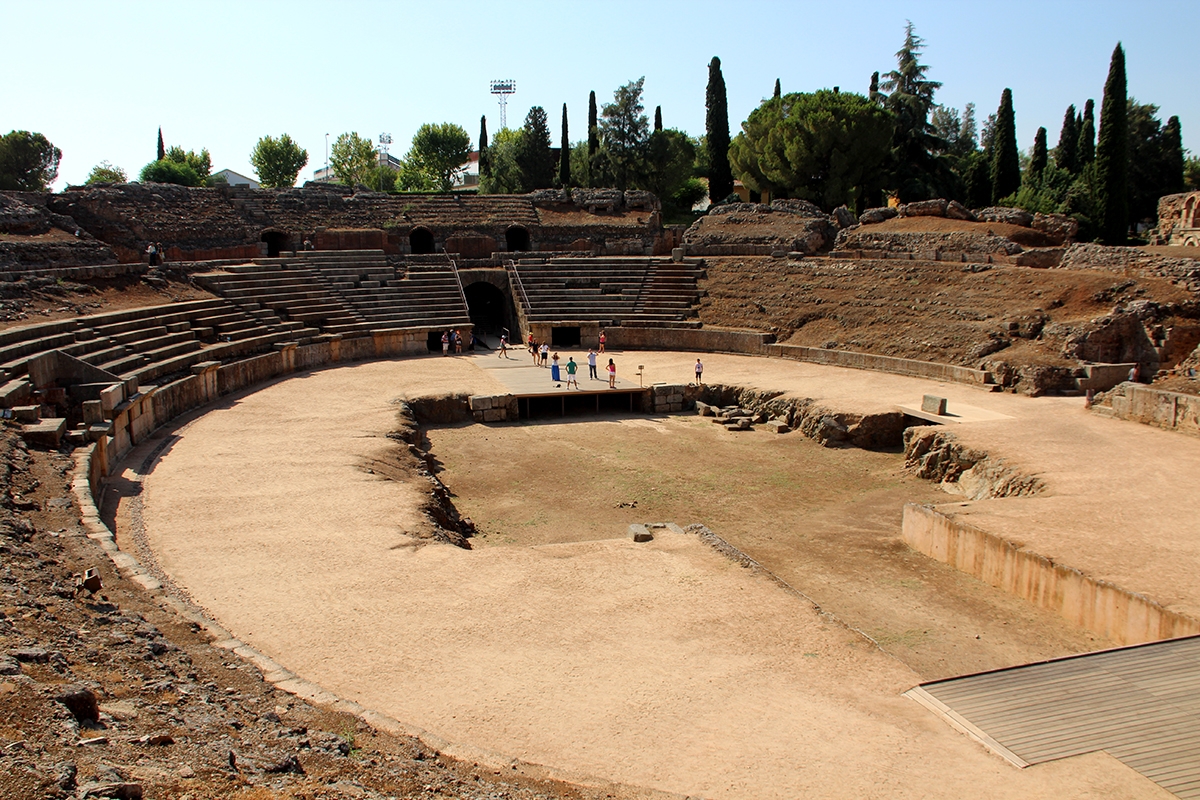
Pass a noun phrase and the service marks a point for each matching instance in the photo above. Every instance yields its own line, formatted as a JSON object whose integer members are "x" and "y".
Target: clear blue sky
{"x": 99, "y": 78}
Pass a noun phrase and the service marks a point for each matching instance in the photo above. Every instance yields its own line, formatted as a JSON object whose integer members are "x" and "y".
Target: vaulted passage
{"x": 490, "y": 309}
{"x": 516, "y": 239}
{"x": 421, "y": 241}
{"x": 277, "y": 242}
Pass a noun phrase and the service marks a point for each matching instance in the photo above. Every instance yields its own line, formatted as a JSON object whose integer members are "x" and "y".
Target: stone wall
{"x": 708, "y": 340}
{"x": 1179, "y": 219}
{"x": 201, "y": 223}
{"x": 898, "y": 366}
{"x": 925, "y": 245}
{"x": 1104, "y": 608}
{"x": 1150, "y": 406}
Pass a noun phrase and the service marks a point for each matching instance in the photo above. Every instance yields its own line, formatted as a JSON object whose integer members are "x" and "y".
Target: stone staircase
{"x": 146, "y": 343}
{"x": 612, "y": 291}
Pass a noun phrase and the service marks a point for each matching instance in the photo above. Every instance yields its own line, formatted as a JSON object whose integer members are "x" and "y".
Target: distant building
{"x": 237, "y": 179}
{"x": 469, "y": 176}
{"x": 327, "y": 175}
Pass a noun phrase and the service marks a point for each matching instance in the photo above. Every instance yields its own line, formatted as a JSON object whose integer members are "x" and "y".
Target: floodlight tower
{"x": 385, "y": 139}
{"x": 503, "y": 89}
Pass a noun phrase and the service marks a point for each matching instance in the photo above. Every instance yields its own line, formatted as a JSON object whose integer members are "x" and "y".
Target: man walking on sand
{"x": 699, "y": 372}
{"x": 572, "y": 368}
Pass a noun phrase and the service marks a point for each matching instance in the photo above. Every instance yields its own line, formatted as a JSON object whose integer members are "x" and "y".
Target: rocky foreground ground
{"x": 105, "y": 694}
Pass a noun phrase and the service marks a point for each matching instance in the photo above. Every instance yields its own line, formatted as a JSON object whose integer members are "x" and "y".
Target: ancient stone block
{"x": 956, "y": 210}
{"x": 703, "y": 409}
{"x": 480, "y": 402}
{"x": 494, "y": 415}
{"x": 47, "y": 433}
{"x": 926, "y": 208}
{"x": 931, "y": 404}
{"x": 27, "y": 413}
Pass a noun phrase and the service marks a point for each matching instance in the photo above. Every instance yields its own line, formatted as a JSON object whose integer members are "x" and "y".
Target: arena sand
{"x": 660, "y": 665}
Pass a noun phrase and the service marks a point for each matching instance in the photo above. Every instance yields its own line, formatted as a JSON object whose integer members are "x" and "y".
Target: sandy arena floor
{"x": 657, "y": 665}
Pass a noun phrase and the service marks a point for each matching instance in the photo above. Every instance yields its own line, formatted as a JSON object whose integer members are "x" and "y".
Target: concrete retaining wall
{"x": 701, "y": 339}
{"x": 898, "y": 366}
{"x": 1104, "y": 608}
{"x": 1170, "y": 410}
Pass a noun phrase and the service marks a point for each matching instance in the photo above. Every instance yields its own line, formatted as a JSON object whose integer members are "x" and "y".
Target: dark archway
{"x": 277, "y": 242}
{"x": 516, "y": 239}
{"x": 420, "y": 241}
{"x": 490, "y": 309}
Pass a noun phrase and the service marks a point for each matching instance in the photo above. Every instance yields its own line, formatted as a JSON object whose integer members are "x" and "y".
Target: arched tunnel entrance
{"x": 420, "y": 241}
{"x": 516, "y": 239}
{"x": 277, "y": 242}
{"x": 491, "y": 310}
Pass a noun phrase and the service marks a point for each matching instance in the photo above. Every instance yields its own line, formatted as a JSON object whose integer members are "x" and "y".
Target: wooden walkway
{"x": 1139, "y": 704}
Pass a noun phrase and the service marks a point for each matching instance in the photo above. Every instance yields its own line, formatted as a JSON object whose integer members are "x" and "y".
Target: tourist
{"x": 603, "y": 339}
{"x": 503, "y": 347}
{"x": 699, "y": 372}
{"x": 544, "y": 351}
{"x": 162, "y": 255}
{"x": 612, "y": 374}
{"x": 152, "y": 254}
{"x": 572, "y": 368}
{"x": 555, "y": 375}
{"x": 445, "y": 343}
{"x": 457, "y": 342}
{"x": 532, "y": 345}
{"x": 592, "y": 365}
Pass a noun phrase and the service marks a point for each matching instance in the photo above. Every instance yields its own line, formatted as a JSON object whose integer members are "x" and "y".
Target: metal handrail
{"x": 520, "y": 285}
{"x": 458, "y": 279}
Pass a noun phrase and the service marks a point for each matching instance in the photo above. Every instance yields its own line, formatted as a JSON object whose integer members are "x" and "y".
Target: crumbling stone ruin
{"x": 1179, "y": 219}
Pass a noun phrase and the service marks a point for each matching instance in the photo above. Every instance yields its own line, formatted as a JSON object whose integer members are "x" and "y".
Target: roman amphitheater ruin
{"x": 927, "y": 528}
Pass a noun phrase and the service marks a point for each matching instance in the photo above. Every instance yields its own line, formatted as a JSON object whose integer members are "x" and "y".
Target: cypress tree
{"x": 657, "y": 118}
{"x": 564, "y": 154}
{"x": 776, "y": 95}
{"x": 1066, "y": 155}
{"x": 1006, "y": 161}
{"x": 1037, "y": 161}
{"x": 1112, "y": 154}
{"x": 716, "y": 125}
{"x": 485, "y": 158}
{"x": 1087, "y": 135}
{"x": 593, "y": 126}
{"x": 162, "y": 151}
{"x": 873, "y": 93}
{"x": 1172, "y": 179}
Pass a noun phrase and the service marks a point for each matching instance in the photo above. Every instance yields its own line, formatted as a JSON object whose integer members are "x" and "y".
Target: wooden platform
{"x": 1139, "y": 704}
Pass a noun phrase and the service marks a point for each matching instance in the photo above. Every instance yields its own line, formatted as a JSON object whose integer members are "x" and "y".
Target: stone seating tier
{"x": 611, "y": 290}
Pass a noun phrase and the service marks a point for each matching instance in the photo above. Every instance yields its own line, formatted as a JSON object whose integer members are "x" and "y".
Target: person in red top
{"x": 603, "y": 339}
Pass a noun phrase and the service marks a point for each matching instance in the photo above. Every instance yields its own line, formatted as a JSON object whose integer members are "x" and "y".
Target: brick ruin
{"x": 1179, "y": 219}
{"x": 116, "y": 223}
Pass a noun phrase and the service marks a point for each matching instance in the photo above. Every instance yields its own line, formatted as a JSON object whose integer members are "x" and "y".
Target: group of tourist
{"x": 451, "y": 339}
{"x": 156, "y": 254}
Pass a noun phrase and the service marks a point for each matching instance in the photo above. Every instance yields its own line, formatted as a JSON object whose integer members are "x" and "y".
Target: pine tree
{"x": 1006, "y": 160}
{"x": 1112, "y": 154}
{"x": 533, "y": 156}
{"x": 1086, "y": 150}
{"x": 162, "y": 151}
{"x": 776, "y": 95}
{"x": 485, "y": 156}
{"x": 1066, "y": 155}
{"x": 716, "y": 126}
{"x": 657, "y": 118}
{"x": 564, "y": 154}
{"x": 1039, "y": 157}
